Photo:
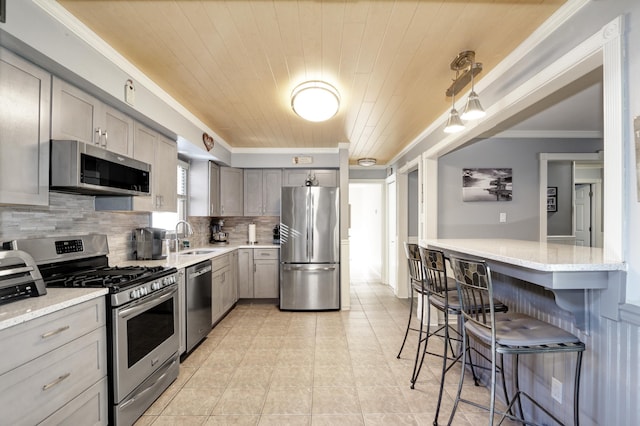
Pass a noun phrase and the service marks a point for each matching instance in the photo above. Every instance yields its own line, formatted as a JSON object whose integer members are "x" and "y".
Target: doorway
{"x": 366, "y": 231}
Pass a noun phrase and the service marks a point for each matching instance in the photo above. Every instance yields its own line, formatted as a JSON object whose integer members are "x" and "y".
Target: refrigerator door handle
{"x": 311, "y": 227}
{"x": 306, "y": 268}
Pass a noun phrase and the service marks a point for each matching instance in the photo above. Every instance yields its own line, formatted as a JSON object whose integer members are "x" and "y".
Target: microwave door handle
{"x": 134, "y": 310}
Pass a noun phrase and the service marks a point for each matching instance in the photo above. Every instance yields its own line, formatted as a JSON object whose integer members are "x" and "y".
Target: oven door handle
{"x": 156, "y": 300}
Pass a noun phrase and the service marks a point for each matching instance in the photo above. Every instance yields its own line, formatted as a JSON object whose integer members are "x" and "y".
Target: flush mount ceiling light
{"x": 466, "y": 69}
{"x": 366, "y": 162}
{"x": 315, "y": 100}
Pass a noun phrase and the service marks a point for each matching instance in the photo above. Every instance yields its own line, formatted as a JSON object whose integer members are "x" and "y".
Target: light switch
{"x": 503, "y": 217}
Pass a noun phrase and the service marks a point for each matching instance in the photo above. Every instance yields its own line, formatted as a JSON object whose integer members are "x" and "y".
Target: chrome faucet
{"x": 189, "y": 232}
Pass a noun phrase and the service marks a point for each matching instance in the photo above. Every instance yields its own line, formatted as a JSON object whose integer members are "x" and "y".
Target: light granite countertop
{"x": 19, "y": 311}
{"x": 183, "y": 260}
{"x": 540, "y": 256}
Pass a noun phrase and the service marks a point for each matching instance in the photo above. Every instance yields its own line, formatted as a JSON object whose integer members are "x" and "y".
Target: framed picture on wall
{"x": 552, "y": 198}
{"x": 487, "y": 184}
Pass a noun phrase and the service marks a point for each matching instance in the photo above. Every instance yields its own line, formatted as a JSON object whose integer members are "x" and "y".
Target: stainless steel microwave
{"x": 82, "y": 168}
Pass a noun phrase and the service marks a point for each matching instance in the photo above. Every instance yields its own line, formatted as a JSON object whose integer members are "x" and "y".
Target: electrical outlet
{"x": 503, "y": 217}
{"x": 556, "y": 389}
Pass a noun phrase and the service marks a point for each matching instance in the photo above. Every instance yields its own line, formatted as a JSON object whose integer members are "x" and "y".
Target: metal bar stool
{"x": 507, "y": 333}
{"x": 442, "y": 294}
{"x": 416, "y": 287}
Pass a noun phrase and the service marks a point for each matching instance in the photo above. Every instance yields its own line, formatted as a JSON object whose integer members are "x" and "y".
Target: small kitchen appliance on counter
{"x": 218, "y": 236}
{"x": 149, "y": 244}
{"x": 276, "y": 234}
{"x": 19, "y": 276}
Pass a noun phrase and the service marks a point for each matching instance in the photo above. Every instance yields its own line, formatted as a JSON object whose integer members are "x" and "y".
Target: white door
{"x": 392, "y": 235}
{"x": 366, "y": 231}
{"x": 583, "y": 215}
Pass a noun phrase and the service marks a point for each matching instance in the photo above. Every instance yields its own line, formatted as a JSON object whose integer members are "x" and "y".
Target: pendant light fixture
{"x": 466, "y": 68}
{"x": 473, "y": 109}
{"x": 315, "y": 100}
{"x": 454, "y": 124}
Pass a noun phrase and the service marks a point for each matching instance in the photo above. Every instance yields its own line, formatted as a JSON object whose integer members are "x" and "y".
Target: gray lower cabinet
{"x": 258, "y": 273}
{"x": 25, "y": 99}
{"x": 59, "y": 373}
{"x": 182, "y": 312}
{"x": 320, "y": 177}
{"x": 222, "y": 293}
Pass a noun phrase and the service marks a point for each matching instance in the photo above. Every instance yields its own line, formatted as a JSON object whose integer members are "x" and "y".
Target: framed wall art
{"x": 487, "y": 184}
{"x": 552, "y": 198}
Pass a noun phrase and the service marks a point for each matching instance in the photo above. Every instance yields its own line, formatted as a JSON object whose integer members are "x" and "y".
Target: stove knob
{"x": 155, "y": 286}
{"x": 133, "y": 295}
{"x": 143, "y": 291}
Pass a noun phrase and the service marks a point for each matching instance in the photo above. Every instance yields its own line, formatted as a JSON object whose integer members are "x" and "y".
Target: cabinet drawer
{"x": 35, "y": 390}
{"x": 259, "y": 254}
{"x": 89, "y": 408}
{"x": 49, "y": 332}
{"x": 220, "y": 262}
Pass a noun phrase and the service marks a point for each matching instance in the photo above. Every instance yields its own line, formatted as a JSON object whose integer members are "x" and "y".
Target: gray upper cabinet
{"x": 298, "y": 177}
{"x": 262, "y": 192}
{"x": 76, "y": 115}
{"x": 162, "y": 154}
{"x": 204, "y": 188}
{"x": 231, "y": 190}
{"x": 24, "y": 131}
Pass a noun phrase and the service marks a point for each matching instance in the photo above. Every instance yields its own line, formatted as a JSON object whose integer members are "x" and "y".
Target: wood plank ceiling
{"x": 234, "y": 63}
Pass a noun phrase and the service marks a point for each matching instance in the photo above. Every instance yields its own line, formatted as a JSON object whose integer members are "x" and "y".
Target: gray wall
{"x": 413, "y": 201}
{"x": 560, "y": 175}
{"x": 459, "y": 219}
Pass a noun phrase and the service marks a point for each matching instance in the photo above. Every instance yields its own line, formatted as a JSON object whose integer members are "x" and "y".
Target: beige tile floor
{"x": 261, "y": 366}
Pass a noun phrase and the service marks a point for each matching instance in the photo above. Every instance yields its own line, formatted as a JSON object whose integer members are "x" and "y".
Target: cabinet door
{"x": 297, "y": 177}
{"x": 74, "y": 114}
{"x": 118, "y": 131}
{"x": 265, "y": 279}
{"x": 164, "y": 170}
{"x": 234, "y": 276}
{"x": 144, "y": 150}
{"x": 326, "y": 177}
{"x": 227, "y": 292}
{"x": 253, "y": 184}
{"x": 214, "y": 189}
{"x": 24, "y": 131}
{"x": 245, "y": 273}
{"x": 271, "y": 189}
{"x": 216, "y": 294}
{"x": 231, "y": 189}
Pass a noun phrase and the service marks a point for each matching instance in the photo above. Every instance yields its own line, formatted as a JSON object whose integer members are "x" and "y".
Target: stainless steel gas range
{"x": 142, "y": 310}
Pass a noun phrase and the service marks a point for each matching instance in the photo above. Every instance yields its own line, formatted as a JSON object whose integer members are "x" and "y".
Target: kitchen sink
{"x": 197, "y": 252}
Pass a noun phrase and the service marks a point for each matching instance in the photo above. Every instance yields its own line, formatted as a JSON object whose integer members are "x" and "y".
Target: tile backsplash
{"x": 71, "y": 214}
{"x": 237, "y": 227}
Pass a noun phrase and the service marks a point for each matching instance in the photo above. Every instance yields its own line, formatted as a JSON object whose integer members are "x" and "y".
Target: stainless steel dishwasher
{"x": 198, "y": 295}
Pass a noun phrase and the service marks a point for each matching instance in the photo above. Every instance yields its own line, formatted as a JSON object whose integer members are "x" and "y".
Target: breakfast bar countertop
{"x": 536, "y": 255}
{"x": 568, "y": 271}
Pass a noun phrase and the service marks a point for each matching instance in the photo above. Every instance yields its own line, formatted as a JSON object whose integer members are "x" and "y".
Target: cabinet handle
{"x": 105, "y": 138}
{"x": 254, "y": 267}
{"x": 55, "y": 382}
{"x": 98, "y": 136}
{"x": 54, "y": 332}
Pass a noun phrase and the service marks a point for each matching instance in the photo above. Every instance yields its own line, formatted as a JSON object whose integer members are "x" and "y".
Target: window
{"x": 166, "y": 220}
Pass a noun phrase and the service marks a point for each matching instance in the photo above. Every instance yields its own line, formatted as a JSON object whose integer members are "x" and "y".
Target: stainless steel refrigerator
{"x": 309, "y": 248}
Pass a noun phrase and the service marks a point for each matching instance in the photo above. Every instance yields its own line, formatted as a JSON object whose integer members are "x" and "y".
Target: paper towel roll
{"x": 252, "y": 233}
